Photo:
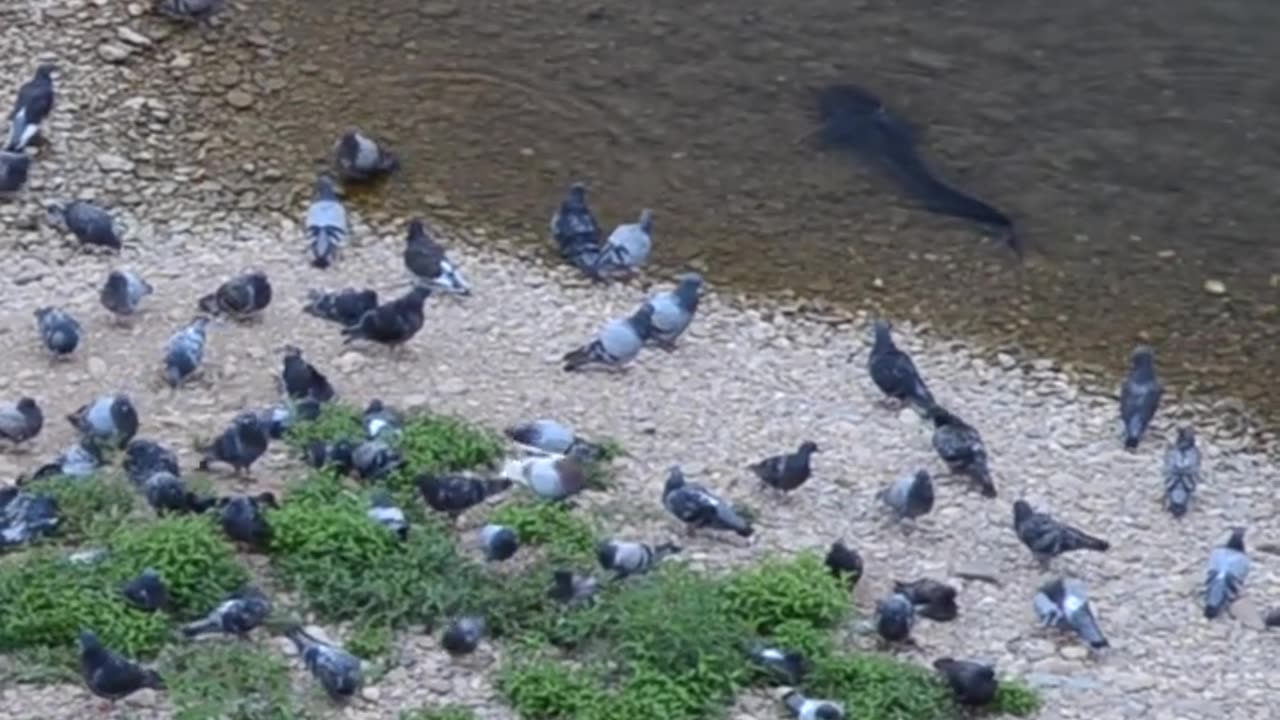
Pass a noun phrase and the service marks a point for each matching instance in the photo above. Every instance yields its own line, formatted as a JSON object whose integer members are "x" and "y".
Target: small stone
{"x": 239, "y": 99}
{"x": 114, "y": 52}
{"x": 1215, "y": 287}
{"x": 1006, "y": 360}
{"x": 1073, "y": 652}
{"x": 110, "y": 162}
{"x": 438, "y": 10}
{"x": 1166, "y": 254}
{"x": 180, "y": 61}
{"x": 132, "y": 37}
{"x": 978, "y": 572}
{"x": 371, "y": 694}
{"x": 97, "y": 367}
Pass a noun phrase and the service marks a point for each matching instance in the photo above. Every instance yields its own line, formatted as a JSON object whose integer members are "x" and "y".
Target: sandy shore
{"x": 750, "y": 380}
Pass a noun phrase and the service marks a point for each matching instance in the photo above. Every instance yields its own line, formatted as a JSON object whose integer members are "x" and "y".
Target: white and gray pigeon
{"x": 895, "y": 616}
{"x": 1047, "y": 537}
{"x": 803, "y": 708}
{"x": 550, "y": 478}
{"x": 1064, "y": 604}
{"x": 499, "y": 542}
{"x": 425, "y": 259}
{"x": 572, "y": 589}
{"x": 242, "y": 297}
{"x": 673, "y": 310}
{"x": 617, "y": 344}
{"x": 359, "y": 158}
{"x": 123, "y": 291}
{"x": 58, "y": 330}
{"x": 239, "y": 445}
{"x": 893, "y": 370}
{"x": 20, "y": 421}
{"x": 1139, "y": 396}
{"x": 910, "y": 496}
{"x": 961, "y": 447}
{"x": 189, "y": 11}
{"x": 90, "y": 224}
{"x": 698, "y": 507}
{"x": 382, "y": 422}
{"x": 1181, "y": 472}
{"x": 326, "y": 224}
{"x": 15, "y": 168}
{"x": 628, "y": 247}
{"x": 30, "y": 108}
{"x": 239, "y": 614}
{"x": 383, "y": 511}
{"x": 147, "y": 591}
{"x": 25, "y": 516}
{"x": 575, "y": 230}
{"x": 375, "y": 459}
{"x": 185, "y": 352}
{"x": 338, "y": 671}
{"x": 110, "y": 675}
{"x": 550, "y": 436}
{"x": 80, "y": 460}
{"x": 787, "y": 666}
{"x": 107, "y": 418}
{"x": 625, "y": 558}
{"x": 1228, "y": 569}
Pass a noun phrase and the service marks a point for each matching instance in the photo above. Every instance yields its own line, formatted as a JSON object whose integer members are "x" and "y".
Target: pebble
{"x": 132, "y": 37}
{"x": 112, "y": 163}
{"x": 114, "y": 52}
{"x": 1215, "y": 287}
{"x": 239, "y": 99}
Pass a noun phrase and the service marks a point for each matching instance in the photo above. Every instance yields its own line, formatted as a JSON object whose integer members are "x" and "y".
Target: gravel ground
{"x": 750, "y": 380}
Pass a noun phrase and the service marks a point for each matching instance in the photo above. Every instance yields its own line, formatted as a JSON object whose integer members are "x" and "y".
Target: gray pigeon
{"x": 147, "y": 591}
{"x": 894, "y": 372}
{"x": 499, "y": 542}
{"x": 326, "y": 224}
{"x": 301, "y": 379}
{"x": 895, "y": 616}
{"x": 15, "y": 167}
{"x": 108, "y": 418}
{"x": 788, "y": 471}
{"x": 673, "y": 310}
{"x": 627, "y": 248}
{"x": 910, "y": 496}
{"x": 20, "y": 421}
{"x": 1181, "y": 472}
{"x": 80, "y": 460}
{"x": 359, "y": 158}
{"x": 375, "y": 459}
{"x": 575, "y": 230}
{"x": 90, "y": 224}
{"x": 189, "y": 11}
{"x": 618, "y": 343}
{"x": 455, "y": 494}
{"x": 1139, "y": 396}
{"x": 804, "y": 708}
{"x": 185, "y": 352}
{"x": 345, "y": 306}
{"x": 1047, "y": 537}
{"x": 123, "y": 291}
{"x": 625, "y": 559}
{"x": 425, "y": 259}
{"x": 698, "y": 507}
{"x": 1064, "y": 604}
{"x": 30, "y": 108}
{"x": 572, "y": 589}
{"x": 109, "y": 675}
{"x": 338, "y": 671}
{"x": 26, "y": 516}
{"x": 280, "y": 418}
{"x": 59, "y": 331}
{"x": 973, "y": 684}
{"x": 242, "y": 297}
{"x": 239, "y": 445}
{"x": 553, "y": 437}
{"x": 143, "y": 457}
{"x": 383, "y": 511}
{"x": 550, "y": 478}
{"x": 961, "y": 448}
{"x": 787, "y": 666}
{"x": 166, "y": 493}
{"x": 382, "y": 422}
{"x": 1228, "y": 569}
{"x": 239, "y": 614}
{"x": 243, "y": 518}
{"x": 463, "y": 635}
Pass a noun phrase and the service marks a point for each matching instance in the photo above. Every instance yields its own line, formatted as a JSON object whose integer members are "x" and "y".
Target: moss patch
{"x": 229, "y": 680}
{"x": 795, "y": 590}
{"x": 448, "y": 712}
{"x": 566, "y": 535}
{"x": 198, "y": 566}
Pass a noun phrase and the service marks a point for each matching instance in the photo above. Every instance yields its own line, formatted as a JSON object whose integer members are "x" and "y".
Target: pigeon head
{"x": 417, "y": 231}
{"x": 809, "y": 447}
{"x": 828, "y": 712}
{"x": 646, "y": 220}
{"x": 267, "y": 498}
{"x": 375, "y": 406}
{"x": 45, "y": 70}
{"x": 642, "y": 320}
{"x": 577, "y": 196}
{"x": 200, "y": 322}
{"x": 1021, "y": 511}
{"x": 150, "y": 573}
{"x": 292, "y": 351}
{"x": 1143, "y": 357}
{"x": 1186, "y": 438}
{"x": 27, "y": 406}
{"x": 419, "y": 294}
{"x": 89, "y": 642}
{"x": 883, "y": 333}
{"x": 675, "y": 480}
{"x": 326, "y": 189}
{"x": 248, "y": 421}
{"x": 1236, "y": 541}
{"x": 56, "y": 213}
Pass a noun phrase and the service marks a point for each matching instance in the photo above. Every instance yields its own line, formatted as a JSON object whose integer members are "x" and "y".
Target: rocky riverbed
{"x": 753, "y": 378}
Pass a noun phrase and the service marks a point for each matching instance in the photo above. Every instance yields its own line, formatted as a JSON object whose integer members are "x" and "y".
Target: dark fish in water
{"x": 855, "y": 119}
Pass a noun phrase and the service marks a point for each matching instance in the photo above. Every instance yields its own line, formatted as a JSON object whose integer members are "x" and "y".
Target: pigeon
{"x": 301, "y": 379}
{"x": 625, "y": 559}
{"x": 961, "y": 448}
{"x": 375, "y": 459}
{"x": 618, "y": 343}
{"x": 1181, "y": 472}
{"x": 185, "y": 352}
{"x": 345, "y": 306}
{"x": 463, "y": 635}
{"x": 787, "y": 666}
{"x": 166, "y": 493}
{"x": 698, "y": 507}
{"x": 381, "y": 422}
{"x": 143, "y": 457}
{"x": 243, "y": 519}
{"x": 673, "y": 310}
{"x": 1047, "y": 537}
{"x": 338, "y": 455}
{"x": 550, "y": 478}
{"x": 123, "y": 291}
{"x": 572, "y": 589}
{"x": 189, "y": 11}
{"x": 575, "y": 230}
{"x": 147, "y": 592}
{"x": 895, "y": 616}
{"x": 359, "y": 158}
{"x": 845, "y": 562}
{"x": 1272, "y": 618}
{"x": 786, "y": 472}
{"x": 392, "y": 323}
{"x": 30, "y": 108}
{"x": 280, "y": 418}
{"x": 239, "y": 445}
{"x": 499, "y": 542}
{"x": 454, "y": 494}
{"x": 90, "y": 224}
{"x": 628, "y": 247}
{"x": 20, "y": 421}
{"x": 425, "y": 259}
{"x": 109, "y": 417}
{"x": 971, "y": 683}
{"x": 910, "y": 496}
{"x": 1139, "y": 396}
{"x": 15, "y": 167}
{"x": 80, "y": 460}
{"x": 1064, "y": 603}
{"x": 59, "y": 331}
{"x": 932, "y": 599}
{"x": 383, "y": 511}
{"x": 894, "y": 372}
{"x": 804, "y": 708}
{"x": 1228, "y": 569}
{"x": 239, "y": 614}
{"x": 338, "y": 671}
{"x": 109, "y": 675}
{"x": 25, "y": 516}
{"x": 242, "y": 297}
{"x": 553, "y": 437}
{"x": 326, "y": 224}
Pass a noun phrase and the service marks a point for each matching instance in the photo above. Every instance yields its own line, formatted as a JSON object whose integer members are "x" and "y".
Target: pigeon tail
{"x": 581, "y": 357}
{"x": 208, "y": 304}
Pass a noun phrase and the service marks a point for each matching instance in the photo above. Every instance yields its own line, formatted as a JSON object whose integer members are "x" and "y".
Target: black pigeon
{"x": 108, "y": 418}
{"x": 360, "y": 158}
{"x": 239, "y": 445}
{"x": 961, "y": 448}
{"x": 845, "y": 562}
{"x": 971, "y": 683}
{"x": 1272, "y": 619}
{"x": 463, "y": 635}
{"x": 786, "y": 472}
{"x": 393, "y": 323}
{"x": 383, "y": 510}
{"x": 381, "y": 422}
{"x": 1139, "y": 396}
{"x": 15, "y": 167}
{"x": 242, "y": 297}
{"x": 21, "y": 421}
{"x": 338, "y": 671}
{"x": 147, "y": 592}
{"x": 25, "y": 516}
{"x": 572, "y": 589}
{"x": 632, "y": 558}
{"x": 30, "y": 108}
{"x": 1181, "y": 472}
{"x": 698, "y": 507}
{"x": 375, "y": 459}
{"x": 894, "y": 372}
{"x": 302, "y": 380}
{"x": 166, "y": 493}
{"x": 895, "y": 616}
{"x": 239, "y": 614}
{"x": 143, "y": 457}
{"x": 90, "y": 224}
{"x": 786, "y": 666}
{"x": 338, "y": 455}
{"x": 426, "y": 260}
{"x": 499, "y": 542}
{"x": 345, "y": 306}
{"x": 932, "y": 599}
{"x": 185, "y": 352}
{"x": 576, "y": 232}
{"x": 58, "y": 330}
{"x": 1048, "y": 538}
{"x": 910, "y": 496}
{"x": 455, "y": 494}
{"x": 109, "y": 675}
{"x": 244, "y": 519}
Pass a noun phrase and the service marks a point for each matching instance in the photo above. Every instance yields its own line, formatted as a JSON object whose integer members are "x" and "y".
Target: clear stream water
{"x": 1136, "y": 144}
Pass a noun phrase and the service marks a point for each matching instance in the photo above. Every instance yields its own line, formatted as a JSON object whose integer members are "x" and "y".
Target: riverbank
{"x": 751, "y": 379}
